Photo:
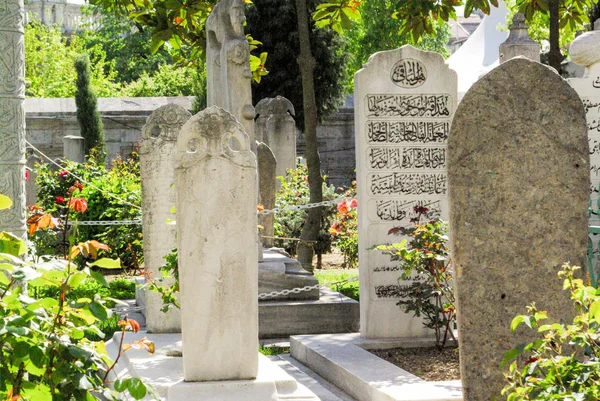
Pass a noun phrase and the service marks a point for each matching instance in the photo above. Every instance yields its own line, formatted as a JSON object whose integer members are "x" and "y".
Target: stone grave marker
{"x": 266, "y": 170}
{"x": 157, "y": 151}
{"x": 216, "y": 236}
{"x": 518, "y": 175}
{"x": 275, "y": 126}
{"x": 519, "y": 43}
{"x": 585, "y": 51}
{"x": 228, "y": 71}
{"x": 404, "y": 103}
{"x": 12, "y": 115}
{"x": 73, "y": 148}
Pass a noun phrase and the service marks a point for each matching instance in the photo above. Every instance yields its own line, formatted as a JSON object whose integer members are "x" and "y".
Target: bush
{"x": 349, "y": 289}
{"x": 288, "y": 224}
{"x": 120, "y": 288}
{"x": 345, "y": 228}
{"x": 122, "y": 181}
{"x": 564, "y": 364}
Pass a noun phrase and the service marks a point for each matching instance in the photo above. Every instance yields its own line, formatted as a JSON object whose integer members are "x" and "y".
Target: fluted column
{"x": 12, "y": 115}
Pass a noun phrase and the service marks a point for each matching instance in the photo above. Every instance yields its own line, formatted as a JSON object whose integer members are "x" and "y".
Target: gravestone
{"x": 519, "y": 43}
{"x": 275, "y": 126}
{"x": 585, "y": 51}
{"x": 404, "y": 103}
{"x": 228, "y": 71}
{"x": 12, "y": 115}
{"x": 518, "y": 175}
{"x": 266, "y": 169}
{"x": 30, "y": 185}
{"x": 157, "y": 151}
{"x": 216, "y": 236}
{"x": 73, "y": 148}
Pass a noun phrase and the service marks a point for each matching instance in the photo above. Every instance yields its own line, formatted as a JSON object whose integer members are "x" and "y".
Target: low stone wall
{"x": 49, "y": 120}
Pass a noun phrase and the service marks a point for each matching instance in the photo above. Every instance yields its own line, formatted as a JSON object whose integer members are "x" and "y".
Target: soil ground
{"x": 330, "y": 261}
{"x": 427, "y": 363}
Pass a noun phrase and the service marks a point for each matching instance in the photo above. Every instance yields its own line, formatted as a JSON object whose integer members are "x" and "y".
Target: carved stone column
{"x": 12, "y": 114}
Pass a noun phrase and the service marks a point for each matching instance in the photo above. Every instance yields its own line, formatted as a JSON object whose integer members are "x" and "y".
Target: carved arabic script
{"x": 408, "y": 184}
{"x": 407, "y": 131}
{"x": 398, "y": 210}
{"x": 409, "y": 73}
{"x": 386, "y": 158}
{"x": 408, "y": 105}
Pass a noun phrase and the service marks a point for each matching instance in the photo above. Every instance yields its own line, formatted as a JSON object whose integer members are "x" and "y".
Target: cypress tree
{"x": 88, "y": 116}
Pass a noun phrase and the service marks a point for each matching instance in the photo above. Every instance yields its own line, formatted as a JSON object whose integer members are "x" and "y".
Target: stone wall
{"x": 49, "y": 120}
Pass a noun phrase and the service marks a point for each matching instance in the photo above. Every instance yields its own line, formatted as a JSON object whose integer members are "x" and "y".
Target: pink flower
{"x": 26, "y": 175}
{"x": 353, "y": 203}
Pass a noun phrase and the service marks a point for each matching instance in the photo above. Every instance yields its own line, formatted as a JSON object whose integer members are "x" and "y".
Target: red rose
{"x": 59, "y": 200}
{"x": 78, "y": 185}
{"x": 63, "y": 173}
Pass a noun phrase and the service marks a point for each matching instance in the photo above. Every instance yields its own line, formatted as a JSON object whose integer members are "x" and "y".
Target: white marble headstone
{"x": 404, "y": 103}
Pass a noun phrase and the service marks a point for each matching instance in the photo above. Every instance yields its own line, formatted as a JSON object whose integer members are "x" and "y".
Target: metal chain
{"x": 306, "y": 206}
{"x": 298, "y": 290}
{"x": 105, "y": 223}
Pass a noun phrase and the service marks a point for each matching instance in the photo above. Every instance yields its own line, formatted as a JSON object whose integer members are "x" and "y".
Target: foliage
{"x": 274, "y": 23}
{"x": 345, "y": 228}
{"x": 564, "y": 364}
{"x": 49, "y": 68}
{"x": 424, "y": 261}
{"x": 88, "y": 116}
{"x": 127, "y": 46}
{"x": 339, "y": 276}
{"x": 378, "y": 31}
{"x": 273, "y": 350}
{"x": 288, "y": 224}
{"x": 44, "y": 351}
{"x": 170, "y": 270}
{"x": 169, "y": 80}
{"x": 104, "y": 197}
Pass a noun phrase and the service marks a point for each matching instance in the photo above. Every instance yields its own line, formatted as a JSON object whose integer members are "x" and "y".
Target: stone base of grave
{"x": 164, "y": 371}
{"x": 343, "y": 360}
{"x": 331, "y": 313}
{"x": 279, "y": 272}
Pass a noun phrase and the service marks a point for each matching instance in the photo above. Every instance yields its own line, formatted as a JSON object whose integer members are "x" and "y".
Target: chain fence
{"x": 298, "y": 290}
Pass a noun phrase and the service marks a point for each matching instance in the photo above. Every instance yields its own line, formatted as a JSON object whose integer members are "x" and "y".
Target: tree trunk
{"x": 555, "y": 56}
{"x": 306, "y": 62}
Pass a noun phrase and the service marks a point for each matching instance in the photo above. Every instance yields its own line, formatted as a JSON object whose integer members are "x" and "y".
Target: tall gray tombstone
{"x": 216, "y": 235}
{"x": 276, "y": 127}
{"x": 266, "y": 170}
{"x": 404, "y": 102}
{"x": 12, "y": 115}
{"x": 519, "y": 43}
{"x": 585, "y": 51}
{"x": 227, "y": 63}
{"x": 518, "y": 174}
{"x": 157, "y": 152}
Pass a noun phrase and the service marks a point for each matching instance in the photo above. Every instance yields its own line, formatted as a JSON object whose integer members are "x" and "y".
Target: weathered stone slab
{"x": 404, "y": 103}
{"x": 275, "y": 126}
{"x": 74, "y": 148}
{"x": 266, "y": 170}
{"x": 12, "y": 116}
{"x": 157, "y": 151}
{"x": 585, "y": 51}
{"x": 217, "y": 236}
{"x": 518, "y": 175}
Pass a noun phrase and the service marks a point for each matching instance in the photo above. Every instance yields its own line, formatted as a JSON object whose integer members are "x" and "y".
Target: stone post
{"x": 266, "y": 170}
{"x": 30, "y": 186}
{"x": 518, "y": 179}
{"x": 216, "y": 235}
{"x": 12, "y": 115}
{"x": 157, "y": 151}
{"x": 519, "y": 43}
{"x": 275, "y": 126}
{"x": 404, "y": 103}
{"x": 73, "y": 148}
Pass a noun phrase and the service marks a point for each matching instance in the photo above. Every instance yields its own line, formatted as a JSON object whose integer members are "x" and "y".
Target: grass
{"x": 274, "y": 350}
{"x": 351, "y": 290}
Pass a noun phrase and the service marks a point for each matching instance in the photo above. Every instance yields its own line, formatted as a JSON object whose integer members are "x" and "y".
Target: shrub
{"x": 564, "y": 364}
{"x": 122, "y": 181}
{"x": 288, "y": 224}
{"x": 424, "y": 261}
{"x": 345, "y": 228}
{"x": 338, "y": 277}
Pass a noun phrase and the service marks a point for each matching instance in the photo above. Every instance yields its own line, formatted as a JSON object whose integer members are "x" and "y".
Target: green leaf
{"x": 12, "y": 244}
{"x": 76, "y": 279}
{"x": 98, "y": 310}
{"x": 120, "y": 385}
{"x": 5, "y": 202}
{"x": 137, "y": 388}
{"x": 517, "y": 321}
{"x": 99, "y": 277}
{"x": 107, "y": 263}
{"x": 510, "y": 355}
{"x": 39, "y": 392}
{"x": 595, "y": 310}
